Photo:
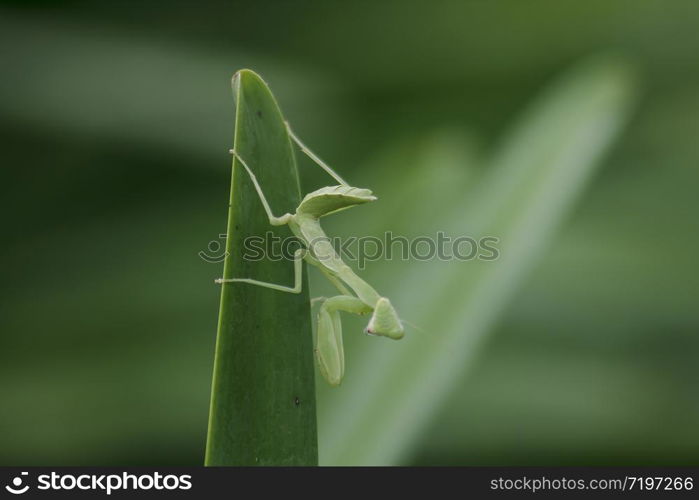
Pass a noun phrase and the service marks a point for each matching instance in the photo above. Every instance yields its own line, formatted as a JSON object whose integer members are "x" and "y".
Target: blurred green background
{"x": 582, "y": 348}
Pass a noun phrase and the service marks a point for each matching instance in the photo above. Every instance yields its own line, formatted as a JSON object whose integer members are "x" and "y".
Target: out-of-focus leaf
{"x": 131, "y": 90}
{"x": 392, "y": 390}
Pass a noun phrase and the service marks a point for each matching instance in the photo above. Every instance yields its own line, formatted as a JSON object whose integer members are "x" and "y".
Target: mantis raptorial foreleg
{"x": 298, "y": 277}
{"x": 329, "y": 346}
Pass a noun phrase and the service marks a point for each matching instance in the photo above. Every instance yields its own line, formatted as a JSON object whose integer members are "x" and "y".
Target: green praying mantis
{"x": 356, "y": 295}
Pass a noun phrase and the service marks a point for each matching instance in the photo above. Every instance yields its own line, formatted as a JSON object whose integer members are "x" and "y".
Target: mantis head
{"x": 332, "y": 199}
{"x": 385, "y": 321}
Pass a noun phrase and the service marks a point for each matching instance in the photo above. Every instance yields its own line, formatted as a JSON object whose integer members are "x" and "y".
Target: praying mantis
{"x": 356, "y": 295}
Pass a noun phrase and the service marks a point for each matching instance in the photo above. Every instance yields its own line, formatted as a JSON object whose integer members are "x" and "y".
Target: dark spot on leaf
{"x": 259, "y": 114}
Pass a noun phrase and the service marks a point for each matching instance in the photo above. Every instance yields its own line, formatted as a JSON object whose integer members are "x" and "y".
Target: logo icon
{"x": 216, "y": 250}
{"x": 17, "y": 483}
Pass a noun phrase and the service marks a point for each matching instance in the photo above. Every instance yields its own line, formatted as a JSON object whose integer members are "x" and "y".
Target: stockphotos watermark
{"x": 104, "y": 483}
{"x": 363, "y": 249}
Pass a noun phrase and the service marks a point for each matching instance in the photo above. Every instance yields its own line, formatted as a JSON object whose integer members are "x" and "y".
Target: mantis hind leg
{"x": 329, "y": 348}
{"x": 314, "y": 156}
{"x": 273, "y": 219}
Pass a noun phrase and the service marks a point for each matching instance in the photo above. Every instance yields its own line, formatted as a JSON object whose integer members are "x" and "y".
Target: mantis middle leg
{"x": 298, "y": 275}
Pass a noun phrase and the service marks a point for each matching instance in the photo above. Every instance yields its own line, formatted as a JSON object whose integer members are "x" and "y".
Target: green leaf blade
{"x": 263, "y": 408}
